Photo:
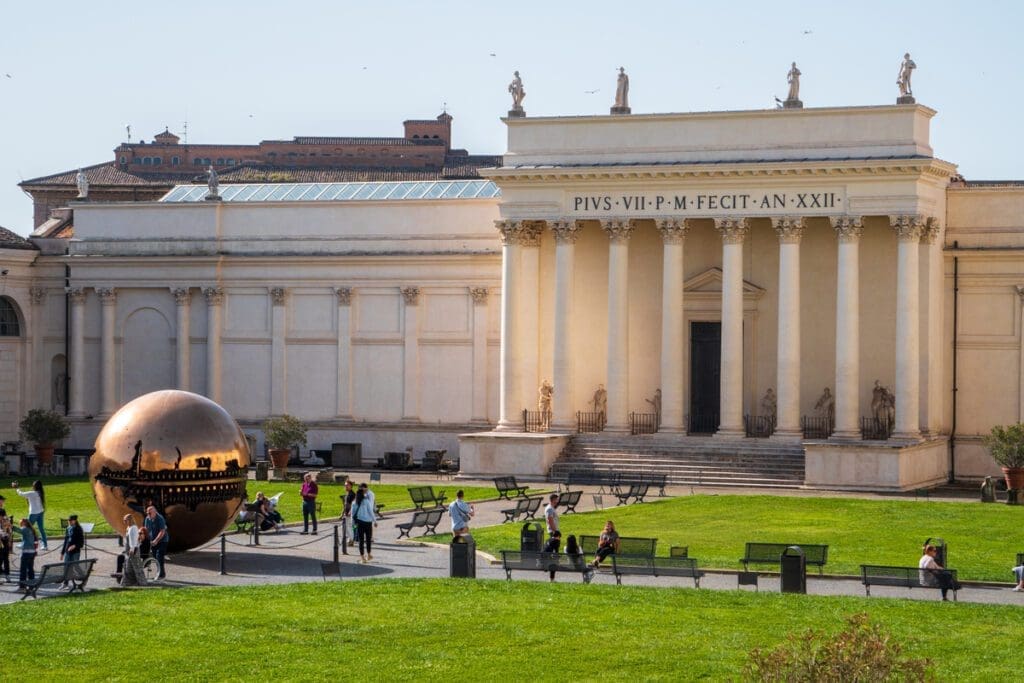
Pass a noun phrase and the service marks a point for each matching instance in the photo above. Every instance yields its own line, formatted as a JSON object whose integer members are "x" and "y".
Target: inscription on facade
{"x": 709, "y": 203}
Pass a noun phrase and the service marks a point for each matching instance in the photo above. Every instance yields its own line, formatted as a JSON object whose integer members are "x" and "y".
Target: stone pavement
{"x": 290, "y": 557}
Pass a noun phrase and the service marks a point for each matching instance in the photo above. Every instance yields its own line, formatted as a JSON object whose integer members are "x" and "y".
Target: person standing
{"x": 309, "y": 493}
{"x": 28, "y": 553}
{"x": 461, "y": 512}
{"x": 6, "y": 542}
{"x": 156, "y": 526}
{"x": 551, "y": 515}
{"x": 552, "y": 546}
{"x": 348, "y": 498}
{"x": 132, "y": 574}
{"x": 71, "y": 549}
{"x": 36, "y": 505}
{"x": 365, "y": 518}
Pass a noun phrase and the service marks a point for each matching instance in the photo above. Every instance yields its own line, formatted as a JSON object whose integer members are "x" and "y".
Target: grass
{"x": 982, "y": 539}
{"x": 450, "y": 629}
{"x": 66, "y": 495}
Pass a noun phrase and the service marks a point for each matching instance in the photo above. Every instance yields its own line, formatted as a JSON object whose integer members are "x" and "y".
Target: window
{"x": 157, "y": 161}
{"x": 175, "y": 161}
{"x": 124, "y": 160}
{"x": 9, "y": 326}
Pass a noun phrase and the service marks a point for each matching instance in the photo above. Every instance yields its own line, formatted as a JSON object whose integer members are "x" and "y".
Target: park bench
{"x": 659, "y": 481}
{"x": 592, "y": 478}
{"x": 902, "y": 577}
{"x": 507, "y": 487}
{"x": 526, "y": 560}
{"x": 74, "y": 573}
{"x": 771, "y": 553}
{"x": 525, "y": 507}
{"x": 643, "y": 565}
{"x": 421, "y": 495}
{"x": 638, "y": 547}
{"x": 635, "y": 491}
{"x": 1020, "y": 560}
{"x": 569, "y": 500}
{"x": 428, "y": 519}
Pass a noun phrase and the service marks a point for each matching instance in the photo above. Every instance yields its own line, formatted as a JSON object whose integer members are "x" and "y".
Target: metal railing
{"x": 536, "y": 420}
{"x": 759, "y": 426}
{"x": 875, "y": 428}
{"x": 818, "y": 427}
{"x": 590, "y": 422}
{"x": 643, "y": 423}
{"x": 702, "y": 423}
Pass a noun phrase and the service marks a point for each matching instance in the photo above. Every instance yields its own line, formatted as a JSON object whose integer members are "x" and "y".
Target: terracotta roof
{"x": 466, "y": 166}
{"x": 9, "y": 240}
{"x": 389, "y": 142}
{"x": 108, "y": 173}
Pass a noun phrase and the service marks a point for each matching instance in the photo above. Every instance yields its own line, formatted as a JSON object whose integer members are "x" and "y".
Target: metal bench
{"x": 428, "y": 519}
{"x": 592, "y": 478}
{"x": 903, "y": 577}
{"x": 75, "y": 573}
{"x": 771, "y": 553}
{"x": 524, "y": 560}
{"x": 525, "y": 507}
{"x": 569, "y": 500}
{"x": 656, "y": 566}
{"x": 421, "y": 495}
{"x": 641, "y": 547}
{"x": 635, "y": 491}
{"x": 508, "y": 487}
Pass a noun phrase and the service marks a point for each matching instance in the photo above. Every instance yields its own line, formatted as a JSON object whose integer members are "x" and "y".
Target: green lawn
{"x": 983, "y": 539}
{"x": 65, "y": 495}
{"x": 466, "y": 630}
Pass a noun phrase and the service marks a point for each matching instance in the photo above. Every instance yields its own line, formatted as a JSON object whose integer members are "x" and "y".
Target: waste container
{"x": 940, "y": 549}
{"x": 262, "y": 470}
{"x": 794, "y": 570}
{"x": 462, "y": 557}
{"x": 532, "y": 537}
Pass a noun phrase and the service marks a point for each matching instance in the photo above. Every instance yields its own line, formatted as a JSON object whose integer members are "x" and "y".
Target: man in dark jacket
{"x": 71, "y": 551}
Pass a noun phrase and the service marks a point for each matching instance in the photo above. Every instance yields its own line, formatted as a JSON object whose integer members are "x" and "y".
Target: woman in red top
{"x": 309, "y": 493}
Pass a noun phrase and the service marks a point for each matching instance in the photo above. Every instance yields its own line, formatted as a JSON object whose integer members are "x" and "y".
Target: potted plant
{"x": 282, "y": 434}
{"x": 1007, "y": 447}
{"x": 42, "y": 428}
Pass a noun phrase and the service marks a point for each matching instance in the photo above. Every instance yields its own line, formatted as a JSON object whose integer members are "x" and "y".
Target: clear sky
{"x": 72, "y": 74}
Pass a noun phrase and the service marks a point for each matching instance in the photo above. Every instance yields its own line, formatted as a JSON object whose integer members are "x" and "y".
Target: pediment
{"x": 711, "y": 281}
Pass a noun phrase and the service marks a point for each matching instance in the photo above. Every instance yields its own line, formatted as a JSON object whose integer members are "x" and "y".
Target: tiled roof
{"x": 388, "y": 142}
{"x": 466, "y": 166}
{"x": 305, "y": 174}
{"x": 108, "y": 173}
{"x": 9, "y": 240}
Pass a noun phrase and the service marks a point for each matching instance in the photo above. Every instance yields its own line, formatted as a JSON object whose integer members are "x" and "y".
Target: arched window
{"x": 9, "y": 326}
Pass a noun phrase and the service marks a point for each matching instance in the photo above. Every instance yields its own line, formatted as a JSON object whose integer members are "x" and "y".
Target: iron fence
{"x": 759, "y": 426}
{"x": 875, "y": 428}
{"x": 590, "y": 421}
{"x": 643, "y": 423}
{"x": 536, "y": 420}
{"x": 818, "y": 427}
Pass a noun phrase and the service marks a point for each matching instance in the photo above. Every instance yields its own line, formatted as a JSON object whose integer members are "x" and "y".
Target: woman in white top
{"x": 36, "y": 505}
{"x": 133, "y": 574}
{"x": 934, "y": 574}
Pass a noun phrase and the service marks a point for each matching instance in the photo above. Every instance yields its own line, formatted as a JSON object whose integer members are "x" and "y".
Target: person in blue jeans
{"x": 71, "y": 550}
{"x": 156, "y": 527}
{"x": 28, "y": 553}
{"x": 309, "y": 493}
{"x": 36, "y": 505}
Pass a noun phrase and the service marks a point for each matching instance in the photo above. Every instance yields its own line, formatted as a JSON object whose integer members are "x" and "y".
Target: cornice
{"x": 725, "y": 114}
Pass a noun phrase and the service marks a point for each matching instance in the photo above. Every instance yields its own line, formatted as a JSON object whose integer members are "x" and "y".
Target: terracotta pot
{"x": 44, "y": 454}
{"x": 1014, "y": 477}
{"x": 280, "y": 456}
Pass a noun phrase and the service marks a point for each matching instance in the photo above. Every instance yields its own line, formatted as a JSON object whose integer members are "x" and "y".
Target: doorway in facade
{"x": 705, "y": 376}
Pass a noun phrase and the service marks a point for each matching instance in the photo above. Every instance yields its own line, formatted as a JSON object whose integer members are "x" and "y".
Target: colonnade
{"x": 521, "y": 242}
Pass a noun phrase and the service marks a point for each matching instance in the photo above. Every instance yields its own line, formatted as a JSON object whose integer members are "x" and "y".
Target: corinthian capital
{"x": 789, "y": 229}
{"x": 182, "y": 295}
{"x": 931, "y": 231}
{"x": 565, "y": 230}
{"x": 479, "y": 294}
{"x": 107, "y": 295}
{"x": 411, "y": 295}
{"x": 909, "y": 228}
{"x": 848, "y": 228}
{"x": 76, "y": 294}
{"x": 673, "y": 230}
{"x": 344, "y": 295}
{"x": 733, "y": 230}
{"x": 278, "y": 294}
{"x": 214, "y": 296}
{"x": 523, "y": 233}
{"x": 38, "y": 295}
{"x": 619, "y": 230}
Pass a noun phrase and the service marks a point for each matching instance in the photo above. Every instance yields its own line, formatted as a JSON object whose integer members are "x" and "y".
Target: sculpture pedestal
{"x": 519, "y": 113}
{"x": 616, "y": 111}
{"x": 792, "y": 104}
{"x": 492, "y": 454}
{"x": 906, "y": 99}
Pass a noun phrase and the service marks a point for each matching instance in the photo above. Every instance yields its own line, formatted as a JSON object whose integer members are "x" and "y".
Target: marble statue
{"x": 600, "y": 401}
{"x": 769, "y": 404}
{"x": 83, "y": 184}
{"x": 903, "y": 79}
{"x": 518, "y": 93}
{"x": 544, "y": 400}
{"x": 883, "y": 404}
{"x": 826, "y": 405}
{"x": 212, "y": 182}
{"x": 656, "y": 404}
{"x": 622, "y": 90}
{"x": 793, "y": 78}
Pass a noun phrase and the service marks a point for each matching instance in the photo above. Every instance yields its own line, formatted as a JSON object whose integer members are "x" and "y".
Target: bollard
{"x": 344, "y": 535}
{"x": 223, "y": 556}
{"x": 256, "y": 530}
{"x": 335, "y": 545}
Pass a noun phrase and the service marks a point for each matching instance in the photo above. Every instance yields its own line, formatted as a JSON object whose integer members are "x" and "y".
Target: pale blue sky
{"x": 241, "y": 72}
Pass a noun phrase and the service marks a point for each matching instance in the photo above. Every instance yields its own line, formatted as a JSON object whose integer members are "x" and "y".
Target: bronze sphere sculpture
{"x": 178, "y": 451}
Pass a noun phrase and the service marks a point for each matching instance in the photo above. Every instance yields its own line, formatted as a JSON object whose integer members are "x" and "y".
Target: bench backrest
{"x": 569, "y": 498}
{"x": 505, "y": 483}
{"x": 1020, "y": 560}
{"x": 420, "y": 517}
{"x": 915, "y": 576}
{"x": 533, "y": 505}
{"x": 56, "y": 572}
{"x": 771, "y": 552}
{"x": 421, "y": 494}
{"x": 516, "y": 559}
{"x": 432, "y": 517}
{"x": 627, "y": 545}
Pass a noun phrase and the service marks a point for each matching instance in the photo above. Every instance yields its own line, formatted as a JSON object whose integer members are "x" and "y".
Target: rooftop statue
{"x": 793, "y": 78}
{"x": 903, "y": 80}
{"x": 83, "y": 184}
{"x": 213, "y": 183}
{"x": 518, "y": 93}
{"x": 622, "y": 90}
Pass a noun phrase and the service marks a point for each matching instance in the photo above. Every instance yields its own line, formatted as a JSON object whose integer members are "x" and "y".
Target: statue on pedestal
{"x": 656, "y": 404}
{"x": 82, "y": 182}
{"x": 826, "y": 406}
{"x": 793, "y": 97}
{"x": 621, "y": 105}
{"x": 903, "y": 80}
{"x": 518, "y": 95}
{"x": 883, "y": 405}
{"x": 212, "y": 183}
{"x": 544, "y": 400}
{"x": 600, "y": 401}
{"x": 769, "y": 404}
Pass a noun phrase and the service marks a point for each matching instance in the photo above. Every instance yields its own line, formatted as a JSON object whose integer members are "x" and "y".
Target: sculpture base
{"x": 906, "y": 99}
{"x": 792, "y": 104}
{"x": 517, "y": 113}
{"x": 617, "y": 111}
{"x": 213, "y": 198}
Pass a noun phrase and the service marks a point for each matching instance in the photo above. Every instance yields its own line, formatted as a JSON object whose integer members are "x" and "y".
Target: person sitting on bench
{"x": 552, "y": 546}
{"x": 1019, "y": 573}
{"x": 607, "y": 544}
{"x": 932, "y": 573}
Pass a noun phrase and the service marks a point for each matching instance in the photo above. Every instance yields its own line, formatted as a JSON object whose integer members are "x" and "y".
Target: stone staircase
{"x": 686, "y": 460}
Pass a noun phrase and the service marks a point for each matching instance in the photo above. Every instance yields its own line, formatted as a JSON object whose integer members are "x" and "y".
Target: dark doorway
{"x": 705, "y": 376}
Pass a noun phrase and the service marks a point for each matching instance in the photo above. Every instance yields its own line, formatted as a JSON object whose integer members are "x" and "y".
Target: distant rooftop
{"x": 338, "y": 192}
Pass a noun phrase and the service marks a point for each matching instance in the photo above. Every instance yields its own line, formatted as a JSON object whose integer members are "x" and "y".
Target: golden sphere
{"x": 178, "y": 451}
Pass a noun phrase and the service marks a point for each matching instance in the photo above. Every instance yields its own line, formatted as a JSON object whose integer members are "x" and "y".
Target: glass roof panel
{"x": 454, "y": 191}
{"x": 365, "y": 191}
{"x": 197, "y": 194}
{"x": 176, "y": 194}
{"x": 247, "y": 191}
{"x": 296, "y": 192}
{"x": 306, "y": 192}
{"x": 261, "y": 193}
{"x": 349, "y": 189}
{"x": 382, "y": 191}
{"x": 279, "y": 193}
{"x": 418, "y": 190}
{"x": 436, "y": 190}
{"x": 229, "y": 192}
{"x": 312, "y": 192}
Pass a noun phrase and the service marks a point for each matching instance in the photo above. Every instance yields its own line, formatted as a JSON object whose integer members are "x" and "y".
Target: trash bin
{"x": 794, "y": 570}
{"x": 462, "y": 558}
{"x": 262, "y": 470}
{"x": 940, "y": 549}
{"x": 532, "y": 537}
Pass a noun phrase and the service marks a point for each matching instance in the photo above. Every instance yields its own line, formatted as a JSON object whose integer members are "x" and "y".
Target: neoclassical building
{"x": 810, "y": 280}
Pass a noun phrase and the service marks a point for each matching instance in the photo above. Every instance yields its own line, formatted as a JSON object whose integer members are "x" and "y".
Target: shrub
{"x": 1007, "y": 445}
{"x": 284, "y": 432}
{"x": 861, "y": 652}
{"x": 43, "y": 427}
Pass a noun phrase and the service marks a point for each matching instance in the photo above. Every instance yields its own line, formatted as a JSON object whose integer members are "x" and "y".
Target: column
{"x": 344, "y": 295}
{"x": 566, "y": 233}
{"x": 528, "y": 321}
{"x": 908, "y": 321}
{"x": 673, "y": 324}
{"x": 619, "y": 232}
{"x": 108, "y": 366}
{"x": 932, "y": 366}
{"x": 278, "y": 355}
{"x": 214, "y": 300}
{"x": 183, "y": 345}
{"x": 39, "y": 374}
{"x": 411, "y": 356}
{"x": 508, "y": 408}
{"x": 76, "y": 398}
{"x": 480, "y": 297}
{"x": 847, "y": 395}
{"x": 787, "y": 427}
{"x": 733, "y": 231}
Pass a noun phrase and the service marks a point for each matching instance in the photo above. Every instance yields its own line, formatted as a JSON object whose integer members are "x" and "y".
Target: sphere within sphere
{"x": 178, "y": 451}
